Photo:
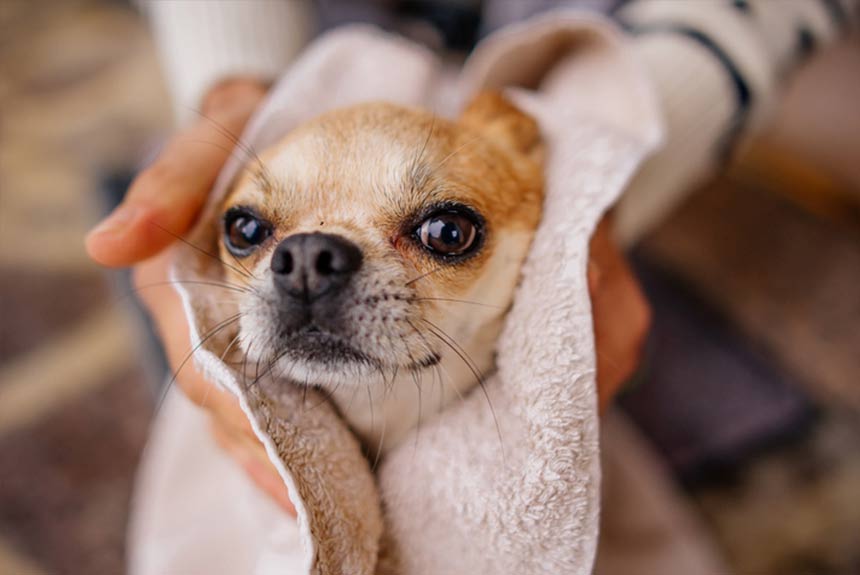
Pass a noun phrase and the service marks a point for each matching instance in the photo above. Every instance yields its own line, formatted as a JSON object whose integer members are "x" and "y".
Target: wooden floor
{"x": 81, "y": 95}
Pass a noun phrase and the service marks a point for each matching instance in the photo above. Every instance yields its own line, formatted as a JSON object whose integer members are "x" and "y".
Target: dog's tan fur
{"x": 364, "y": 173}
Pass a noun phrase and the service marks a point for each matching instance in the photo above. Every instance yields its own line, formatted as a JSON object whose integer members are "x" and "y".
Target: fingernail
{"x": 119, "y": 219}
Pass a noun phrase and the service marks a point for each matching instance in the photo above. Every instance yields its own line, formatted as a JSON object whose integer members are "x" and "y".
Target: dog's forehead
{"x": 333, "y": 167}
{"x": 359, "y": 157}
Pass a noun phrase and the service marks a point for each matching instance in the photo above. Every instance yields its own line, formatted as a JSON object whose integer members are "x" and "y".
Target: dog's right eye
{"x": 244, "y": 231}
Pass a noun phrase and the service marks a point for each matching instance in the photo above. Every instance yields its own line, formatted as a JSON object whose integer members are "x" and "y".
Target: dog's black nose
{"x": 309, "y": 266}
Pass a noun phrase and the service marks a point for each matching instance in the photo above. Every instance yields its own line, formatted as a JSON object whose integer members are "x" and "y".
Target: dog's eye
{"x": 448, "y": 233}
{"x": 244, "y": 231}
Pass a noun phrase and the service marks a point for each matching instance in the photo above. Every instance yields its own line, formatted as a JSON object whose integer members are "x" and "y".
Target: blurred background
{"x": 755, "y": 282}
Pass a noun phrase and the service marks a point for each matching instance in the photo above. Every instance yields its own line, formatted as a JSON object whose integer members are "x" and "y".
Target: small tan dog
{"x": 382, "y": 247}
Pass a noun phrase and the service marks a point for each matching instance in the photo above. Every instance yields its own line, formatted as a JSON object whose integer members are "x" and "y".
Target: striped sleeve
{"x": 717, "y": 66}
{"x": 201, "y": 42}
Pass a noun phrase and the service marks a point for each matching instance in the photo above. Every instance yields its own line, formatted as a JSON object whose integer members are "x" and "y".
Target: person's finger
{"x": 253, "y": 459}
{"x": 230, "y": 425}
{"x": 219, "y": 402}
{"x": 620, "y": 334}
{"x": 165, "y": 308}
{"x": 621, "y": 313}
{"x": 165, "y": 198}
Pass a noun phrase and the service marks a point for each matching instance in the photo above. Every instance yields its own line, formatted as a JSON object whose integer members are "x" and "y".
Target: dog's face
{"x": 382, "y": 240}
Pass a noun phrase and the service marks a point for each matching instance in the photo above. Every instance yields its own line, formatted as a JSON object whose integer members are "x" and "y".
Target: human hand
{"x": 172, "y": 190}
{"x": 168, "y": 196}
{"x": 621, "y": 314}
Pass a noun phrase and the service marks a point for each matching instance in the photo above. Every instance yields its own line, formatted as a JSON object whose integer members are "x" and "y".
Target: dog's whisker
{"x": 370, "y": 402}
{"x": 384, "y": 382}
{"x": 215, "y": 330}
{"x": 424, "y": 275}
{"x": 379, "y": 447}
{"x": 138, "y": 290}
{"x": 241, "y": 271}
{"x": 292, "y": 365}
{"x": 230, "y": 151}
{"x": 226, "y": 285}
{"x": 329, "y": 394}
{"x": 238, "y": 143}
{"x": 416, "y": 379}
{"x": 463, "y": 301}
{"x": 456, "y": 151}
{"x": 230, "y": 345}
{"x": 430, "y": 350}
{"x": 413, "y": 170}
{"x": 355, "y": 390}
{"x": 429, "y": 347}
{"x": 245, "y": 358}
{"x": 270, "y": 364}
{"x": 456, "y": 348}
{"x": 439, "y": 371}
{"x": 257, "y": 369}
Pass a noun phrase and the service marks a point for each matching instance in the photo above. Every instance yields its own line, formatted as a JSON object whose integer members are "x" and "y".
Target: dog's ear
{"x": 503, "y": 123}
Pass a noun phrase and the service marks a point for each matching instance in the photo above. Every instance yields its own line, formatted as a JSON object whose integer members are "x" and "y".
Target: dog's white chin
{"x": 328, "y": 375}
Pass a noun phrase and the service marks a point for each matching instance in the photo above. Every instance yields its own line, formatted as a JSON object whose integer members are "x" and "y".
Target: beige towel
{"x": 459, "y": 499}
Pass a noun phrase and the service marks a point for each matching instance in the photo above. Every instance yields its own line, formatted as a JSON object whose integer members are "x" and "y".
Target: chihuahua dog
{"x": 383, "y": 245}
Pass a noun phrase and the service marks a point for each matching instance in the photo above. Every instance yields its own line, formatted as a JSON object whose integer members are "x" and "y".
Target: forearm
{"x": 203, "y": 42}
{"x": 717, "y": 68}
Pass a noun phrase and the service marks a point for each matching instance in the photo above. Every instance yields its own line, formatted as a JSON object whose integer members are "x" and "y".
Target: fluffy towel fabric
{"x": 464, "y": 496}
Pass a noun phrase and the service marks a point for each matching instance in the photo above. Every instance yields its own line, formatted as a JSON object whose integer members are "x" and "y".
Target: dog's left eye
{"x": 244, "y": 231}
{"x": 448, "y": 233}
